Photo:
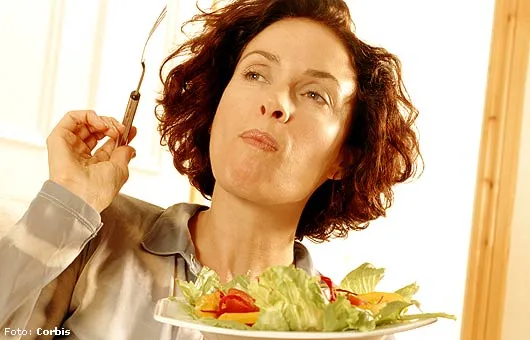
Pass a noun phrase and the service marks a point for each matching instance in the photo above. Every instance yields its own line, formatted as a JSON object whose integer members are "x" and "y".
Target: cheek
{"x": 234, "y": 105}
{"x": 225, "y": 116}
{"x": 321, "y": 141}
{"x": 230, "y": 120}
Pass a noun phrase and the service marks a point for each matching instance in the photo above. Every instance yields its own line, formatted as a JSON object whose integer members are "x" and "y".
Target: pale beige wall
{"x": 515, "y": 324}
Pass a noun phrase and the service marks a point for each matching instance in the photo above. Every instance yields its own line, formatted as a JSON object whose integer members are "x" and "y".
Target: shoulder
{"x": 126, "y": 221}
{"x": 157, "y": 229}
{"x": 128, "y": 210}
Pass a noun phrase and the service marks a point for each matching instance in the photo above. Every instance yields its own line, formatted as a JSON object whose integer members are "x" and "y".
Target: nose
{"x": 275, "y": 109}
{"x": 281, "y": 115}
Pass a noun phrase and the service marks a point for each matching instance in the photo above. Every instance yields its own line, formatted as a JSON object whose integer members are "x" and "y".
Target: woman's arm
{"x": 45, "y": 245}
{"x": 42, "y": 255}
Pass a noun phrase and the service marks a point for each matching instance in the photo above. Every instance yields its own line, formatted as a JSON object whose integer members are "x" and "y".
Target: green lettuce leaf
{"x": 240, "y": 282}
{"x": 363, "y": 279}
{"x": 391, "y": 313}
{"x": 272, "y": 318}
{"x": 207, "y": 282}
{"x": 295, "y": 297}
{"x": 427, "y": 316}
{"x": 365, "y": 323}
{"x": 408, "y": 292}
{"x": 394, "y": 312}
{"x": 340, "y": 315}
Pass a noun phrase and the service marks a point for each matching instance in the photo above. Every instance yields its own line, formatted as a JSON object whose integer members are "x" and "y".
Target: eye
{"x": 253, "y": 75}
{"x": 313, "y": 95}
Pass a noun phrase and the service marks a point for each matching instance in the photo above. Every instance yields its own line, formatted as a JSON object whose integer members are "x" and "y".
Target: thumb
{"x": 121, "y": 156}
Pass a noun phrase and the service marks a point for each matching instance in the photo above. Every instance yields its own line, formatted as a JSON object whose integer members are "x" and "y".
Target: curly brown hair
{"x": 381, "y": 135}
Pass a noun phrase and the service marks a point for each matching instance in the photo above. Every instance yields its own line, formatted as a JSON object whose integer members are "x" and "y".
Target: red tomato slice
{"x": 329, "y": 283}
{"x": 355, "y": 301}
{"x": 241, "y": 294}
{"x": 236, "y": 304}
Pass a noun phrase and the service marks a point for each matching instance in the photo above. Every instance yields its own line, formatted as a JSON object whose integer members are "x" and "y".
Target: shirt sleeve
{"x": 44, "y": 249}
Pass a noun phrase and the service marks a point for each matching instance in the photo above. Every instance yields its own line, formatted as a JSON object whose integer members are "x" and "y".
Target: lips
{"x": 260, "y": 139}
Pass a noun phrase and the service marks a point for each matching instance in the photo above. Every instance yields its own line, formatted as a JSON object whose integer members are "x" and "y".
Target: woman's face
{"x": 278, "y": 130}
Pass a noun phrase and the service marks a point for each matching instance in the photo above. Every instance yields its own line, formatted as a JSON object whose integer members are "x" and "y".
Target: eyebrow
{"x": 275, "y": 59}
{"x": 272, "y": 57}
{"x": 321, "y": 74}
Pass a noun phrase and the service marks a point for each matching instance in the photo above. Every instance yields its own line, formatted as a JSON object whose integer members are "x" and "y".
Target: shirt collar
{"x": 170, "y": 235}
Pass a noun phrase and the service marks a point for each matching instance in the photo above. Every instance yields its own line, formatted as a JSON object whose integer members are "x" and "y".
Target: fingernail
{"x": 133, "y": 154}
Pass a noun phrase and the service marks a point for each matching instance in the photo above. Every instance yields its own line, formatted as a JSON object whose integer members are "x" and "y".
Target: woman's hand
{"x": 95, "y": 177}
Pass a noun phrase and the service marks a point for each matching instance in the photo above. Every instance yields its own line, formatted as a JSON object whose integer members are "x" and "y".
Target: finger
{"x": 66, "y": 138}
{"x": 91, "y": 142}
{"x": 75, "y": 122}
{"x": 73, "y": 144}
{"x": 132, "y": 134}
{"x": 107, "y": 148}
{"x": 85, "y": 131}
{"x": 103, "y": 153}
{"x": 112, "y": 132}
{"x": 119, "y": 126}
{"x": 73, "y": 119}
{"x": 91, "y": 139}
{"x": 121, "y": 157}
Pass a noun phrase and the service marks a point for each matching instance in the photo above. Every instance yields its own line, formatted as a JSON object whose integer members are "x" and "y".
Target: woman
{"x": 292, "y": 125}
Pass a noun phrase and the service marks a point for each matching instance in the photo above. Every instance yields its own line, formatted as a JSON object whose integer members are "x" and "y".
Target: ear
{"x": 343, "y": 162}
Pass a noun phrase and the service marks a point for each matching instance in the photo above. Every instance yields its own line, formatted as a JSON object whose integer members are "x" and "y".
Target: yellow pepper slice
{"x": 375, "y": 301}
{"x": 246, "y": 318}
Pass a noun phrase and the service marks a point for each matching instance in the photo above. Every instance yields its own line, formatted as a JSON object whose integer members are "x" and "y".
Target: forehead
{"x": 304, "y": 43}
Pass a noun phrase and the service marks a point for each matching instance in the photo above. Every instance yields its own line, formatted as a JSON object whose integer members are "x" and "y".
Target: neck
{"x": 236, "y": 236}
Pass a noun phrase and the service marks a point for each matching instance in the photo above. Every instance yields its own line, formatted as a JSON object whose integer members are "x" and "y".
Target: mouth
{"x": 260, "y": 140}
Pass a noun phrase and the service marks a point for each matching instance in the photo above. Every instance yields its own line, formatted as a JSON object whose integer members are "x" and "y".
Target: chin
{"x": 245, "y": 184}
{"x": 247, "y": 177}
{"x": 259, "y": 190}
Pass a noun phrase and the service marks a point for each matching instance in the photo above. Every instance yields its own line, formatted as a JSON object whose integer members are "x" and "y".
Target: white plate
{"x": 168, "y": 311}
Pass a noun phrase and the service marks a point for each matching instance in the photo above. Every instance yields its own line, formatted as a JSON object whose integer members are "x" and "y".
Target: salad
{"x": 284, "y": 298}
